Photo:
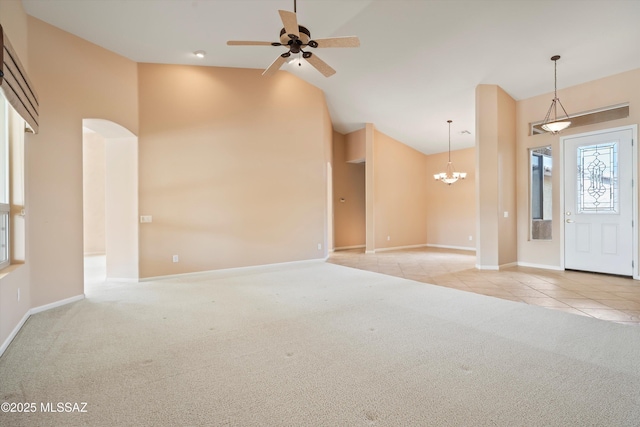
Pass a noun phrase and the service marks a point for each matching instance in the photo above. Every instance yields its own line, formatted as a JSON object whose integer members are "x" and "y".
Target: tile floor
{"x": 605, "y": 297}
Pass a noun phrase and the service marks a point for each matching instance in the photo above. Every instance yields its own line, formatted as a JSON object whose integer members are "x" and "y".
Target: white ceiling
{"x": 419, "y": 60}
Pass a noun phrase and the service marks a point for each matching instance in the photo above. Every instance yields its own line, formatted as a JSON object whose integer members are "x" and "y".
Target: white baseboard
{"x": 36, "y": 310}
{"x": 344, "y": 248}
{"x": 397, "y": 248}
{"x": 460, "y": 248}
{"x": 56, "y": 304}
{"x": 122, "y": 279}
{"x": 13, "y": 333}
{"x": 496, "y": 267}
{"x": 487, "y": 267}
{"x": 541, "y": 266}
{"x": 235, "y": 269}
{"x": 509, "y": 264}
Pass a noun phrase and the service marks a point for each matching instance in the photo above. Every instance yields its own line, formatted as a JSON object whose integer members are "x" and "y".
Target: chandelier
{"x": 552, "y": 124}
{"x": 449, "y": 177}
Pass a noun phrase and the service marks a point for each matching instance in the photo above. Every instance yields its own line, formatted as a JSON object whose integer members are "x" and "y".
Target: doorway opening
{"x": 110, "y": 202}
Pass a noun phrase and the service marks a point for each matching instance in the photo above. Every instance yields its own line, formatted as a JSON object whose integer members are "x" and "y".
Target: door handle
{"x": 569, "y": 221}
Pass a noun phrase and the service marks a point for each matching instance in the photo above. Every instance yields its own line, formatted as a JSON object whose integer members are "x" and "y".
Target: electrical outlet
{"x": 146, "y": 218}
{"x": 175, "y": 258}
{"x": 470, "y": 238}
{"x": 388, "y": 238}
{"x": 506, "y": 214}
{"x": 319, "y": 246}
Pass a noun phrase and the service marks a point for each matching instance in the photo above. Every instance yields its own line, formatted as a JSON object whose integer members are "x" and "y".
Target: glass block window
{"x": 598, "y": 178}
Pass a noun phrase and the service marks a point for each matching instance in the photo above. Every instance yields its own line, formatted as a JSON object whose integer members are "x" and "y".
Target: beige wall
{"x": 121, "y": 207}
{"x": 327, "y": 141}
{"x": 349, "y": 196}
{"x": 14, "y": 22}
{"x": 229, "y": 179}
{"x": 110, "y": 191}
{"x": 370, "y": 190}
{"x": 612, "y": 90}
{"x": 495, "y": 187}
{"x": 74, "y": 80}
{"x": 400, "y": 201}
{"x": 451, "y": 209}
{"x": 94, "y": 163}
{"x": 487, "y": 244}
{"x": 356, "y": 146}
{"x": 507, "y": 205}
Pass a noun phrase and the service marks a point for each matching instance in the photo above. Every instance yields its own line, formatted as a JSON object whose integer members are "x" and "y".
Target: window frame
{"x": 5, "y": 197}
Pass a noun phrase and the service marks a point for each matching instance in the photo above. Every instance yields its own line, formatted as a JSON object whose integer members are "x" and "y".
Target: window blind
{"x": 15, "y": 84}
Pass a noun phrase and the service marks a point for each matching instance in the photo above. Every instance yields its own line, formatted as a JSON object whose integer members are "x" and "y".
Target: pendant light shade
{"x": 450, "y": 175}
{"x": 551, "y": 122}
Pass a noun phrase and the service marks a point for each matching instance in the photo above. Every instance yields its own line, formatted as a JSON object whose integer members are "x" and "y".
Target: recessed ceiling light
{"x": 200, "y": 53}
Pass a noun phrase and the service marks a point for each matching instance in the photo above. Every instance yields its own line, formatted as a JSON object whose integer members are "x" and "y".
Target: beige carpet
{"x": 316, "y": 344}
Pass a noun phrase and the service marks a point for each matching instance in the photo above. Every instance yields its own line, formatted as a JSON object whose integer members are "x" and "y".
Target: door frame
{"x": 634, "y": 174}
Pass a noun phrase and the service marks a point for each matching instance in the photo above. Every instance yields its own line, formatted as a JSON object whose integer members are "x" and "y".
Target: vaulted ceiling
{"x": 419, "y": 60}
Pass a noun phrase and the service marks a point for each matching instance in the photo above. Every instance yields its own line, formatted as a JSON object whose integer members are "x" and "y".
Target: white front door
{"x": 598, "y": 202}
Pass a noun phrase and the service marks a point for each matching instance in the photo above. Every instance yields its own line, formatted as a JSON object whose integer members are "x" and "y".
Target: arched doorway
{"x": 110, "y": 198}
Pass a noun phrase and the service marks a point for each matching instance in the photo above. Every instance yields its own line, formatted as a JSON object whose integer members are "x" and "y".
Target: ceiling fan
{"x": 296, "y": 39}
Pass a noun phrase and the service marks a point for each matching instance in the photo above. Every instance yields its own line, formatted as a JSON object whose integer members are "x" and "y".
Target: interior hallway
{"x": 605, "y": 297}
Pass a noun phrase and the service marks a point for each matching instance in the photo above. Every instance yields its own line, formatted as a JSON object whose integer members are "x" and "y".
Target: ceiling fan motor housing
{"x": 305, "y": 35}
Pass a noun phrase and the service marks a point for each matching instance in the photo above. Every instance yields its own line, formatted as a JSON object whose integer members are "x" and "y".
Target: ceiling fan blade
{"x": 320, "y": 65}
{"x": 275, "y": 66}
{"x": 350, "y": 41}
{"x": 248, "y": 43}
{"x": 290, "y": 22}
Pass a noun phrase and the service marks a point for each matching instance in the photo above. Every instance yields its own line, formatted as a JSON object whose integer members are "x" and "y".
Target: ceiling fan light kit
{"x": 449, "y": 176}
{"x": 296, "y": 38}
{"x": 551, "y": 122}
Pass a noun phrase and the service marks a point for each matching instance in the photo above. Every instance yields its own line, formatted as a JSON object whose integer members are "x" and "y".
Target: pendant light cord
{"x": 555, "y": 89}
{"x": 449, "y": 140}
{"x": 555, "y": 79}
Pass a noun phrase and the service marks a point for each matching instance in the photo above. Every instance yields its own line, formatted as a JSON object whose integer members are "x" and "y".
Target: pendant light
{"x": 552, "y": 124}
{"x": 449, "y": 177}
